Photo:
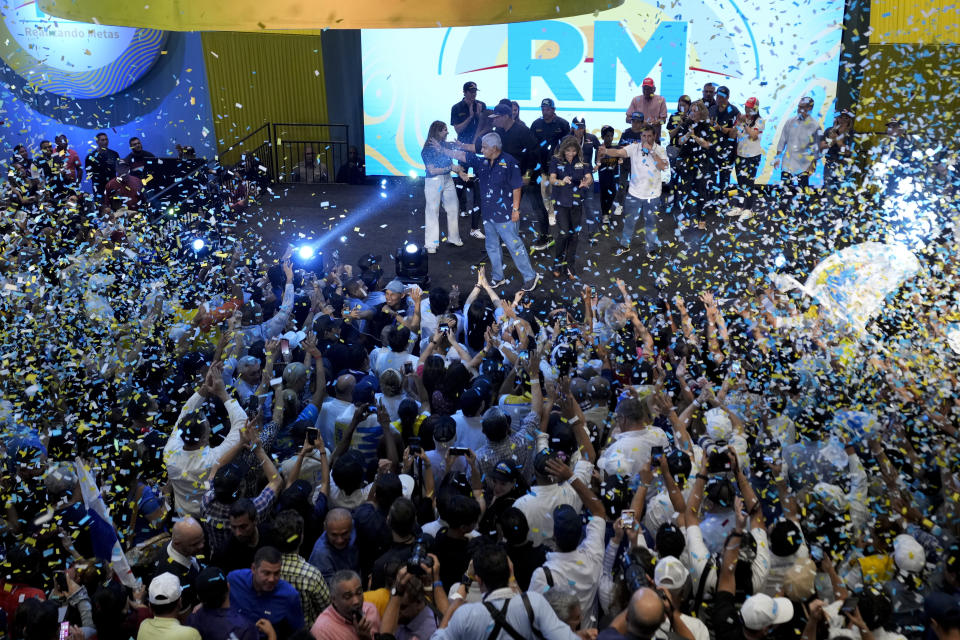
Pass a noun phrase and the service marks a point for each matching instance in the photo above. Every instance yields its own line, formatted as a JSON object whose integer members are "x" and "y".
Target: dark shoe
{"x": 530, "y": 285}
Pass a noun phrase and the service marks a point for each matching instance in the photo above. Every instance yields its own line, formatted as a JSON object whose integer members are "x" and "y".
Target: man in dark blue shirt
{"x": 549, "y": 130}
{"x": 259, "y": 592}
{"x": 725, "y": 151}
{"x": 500, "y": 180}
{"x": 465, "y": 118}
{"x": 520, "y": 143}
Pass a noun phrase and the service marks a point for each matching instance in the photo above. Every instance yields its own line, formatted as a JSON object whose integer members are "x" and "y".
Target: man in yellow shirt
{"x": 164, "y": 593}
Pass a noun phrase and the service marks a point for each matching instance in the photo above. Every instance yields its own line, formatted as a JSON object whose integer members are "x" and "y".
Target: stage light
{"x": 307, "y": 257}
{"x": 383, "y": 183}
{"x": 305, "y": 252}
{"x": 413, "y": 265}
{"x": 343, "y": 238}
{"x": 198, "y": 244}
{"x": 412, "y": 174}
{"x": 383, "y": 194}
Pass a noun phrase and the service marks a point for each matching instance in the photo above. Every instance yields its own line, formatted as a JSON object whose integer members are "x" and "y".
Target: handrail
{"x": 265, "y": 125}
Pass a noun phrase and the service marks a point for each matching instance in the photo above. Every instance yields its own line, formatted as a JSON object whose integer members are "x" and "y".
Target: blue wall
{"x": 157, "y": 109}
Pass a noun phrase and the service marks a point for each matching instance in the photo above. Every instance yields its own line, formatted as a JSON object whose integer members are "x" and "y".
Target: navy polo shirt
{"x": 497, "y": 182}
{"x": 436, "y": 158}
{"x": 571, "y": 194}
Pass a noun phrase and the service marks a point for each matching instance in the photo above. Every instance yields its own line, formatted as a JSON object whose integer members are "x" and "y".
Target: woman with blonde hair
{"x": 571, "y": 177}
{"x": 438, "y": 186}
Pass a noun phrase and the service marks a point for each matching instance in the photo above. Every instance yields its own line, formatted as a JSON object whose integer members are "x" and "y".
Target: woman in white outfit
{"x": 438, "y": 186}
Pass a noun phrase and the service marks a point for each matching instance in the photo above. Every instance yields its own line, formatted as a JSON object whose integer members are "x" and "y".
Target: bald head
{"x": 338, "y": 528}
{"x": 645, "y": 614}
{"x": 344, "y": 388}
{"x": 187, "y": 537}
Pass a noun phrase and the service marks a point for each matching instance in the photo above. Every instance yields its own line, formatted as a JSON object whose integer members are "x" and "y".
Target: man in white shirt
{"x": 187, "y": 455}
{"x": 671, "y": 576}
{"x": 334, "y": 406}
{"x": 549, "y": 493}
{"x": 647, "y": 160}
{"x": 630, "y": 450}
{"x": 577, "y": 563}
{"x": 799, "y": 146}
{"x": 469, "y": 420}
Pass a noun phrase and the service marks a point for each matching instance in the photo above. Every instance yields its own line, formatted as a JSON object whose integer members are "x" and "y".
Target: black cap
{"x": 942, "y": 607}
{"x": 723, "y": 91}
{"x": 502, "y": 109}
{"x": 636, "y": 115}
{"x": 547, "y": 102}
{"x": 444, "y": 429}
{"x": 504, "y": 471}
{"x": 577, "y": 122}
{"x": 567, "y": 527}
{"x": 467, "y": 86}
{"x": 540, "y": 461}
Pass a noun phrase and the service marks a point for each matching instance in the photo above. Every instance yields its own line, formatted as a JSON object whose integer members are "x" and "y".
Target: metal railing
{"x": 293, "y": 152}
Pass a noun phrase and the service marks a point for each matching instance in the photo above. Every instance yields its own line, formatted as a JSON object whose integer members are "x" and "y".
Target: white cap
{"x": 407, "y": 483}
{"x": 760, "y": 611}
{"x": 908, "y": 554}
{"x": 719, "y": 426}
{"x": 670, "y": 573}
{"x": 164, "y": 589}
{"x": 831, "y": 497}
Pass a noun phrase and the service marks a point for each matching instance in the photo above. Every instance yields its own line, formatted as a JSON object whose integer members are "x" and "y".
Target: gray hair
{"x": 248, "y": 361}
{"x": 492, "y": 140}
{"x": 562, "y": 600}
{"x": 344, "y": 575}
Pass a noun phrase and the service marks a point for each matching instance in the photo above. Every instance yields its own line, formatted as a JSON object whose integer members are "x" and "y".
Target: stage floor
{"x": 729, "y": 254}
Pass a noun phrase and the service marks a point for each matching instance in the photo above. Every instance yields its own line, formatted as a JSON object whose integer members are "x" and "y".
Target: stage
{"x": 730, "y": 254}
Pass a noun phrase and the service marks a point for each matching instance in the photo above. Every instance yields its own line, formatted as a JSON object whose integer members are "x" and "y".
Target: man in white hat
{"x": 164, "y": 593}
{"x": 671, "y": 576}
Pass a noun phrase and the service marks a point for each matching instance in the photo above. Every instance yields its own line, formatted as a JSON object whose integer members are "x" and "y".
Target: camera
{"x": 419, "y": 556}
{"x": 634, "y": 575}
{"x": 717, "y": 455}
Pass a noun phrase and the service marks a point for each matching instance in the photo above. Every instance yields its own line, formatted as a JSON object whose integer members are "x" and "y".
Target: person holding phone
{"x": 647, "y": 161}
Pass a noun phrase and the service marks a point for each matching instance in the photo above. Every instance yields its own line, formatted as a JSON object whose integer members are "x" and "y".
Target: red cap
{"x": 751, "y": 103}
{"x": 648, "y": 82}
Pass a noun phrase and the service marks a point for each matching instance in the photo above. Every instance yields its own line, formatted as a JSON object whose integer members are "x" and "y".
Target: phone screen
{"x": 458, "y": 451}
{"x": 627, "y": 518}
{"x": 312, "y": 434}
{"x": 655, "y": 454}
{"x": 285, "y": 346}
{"x": 64, "y": 630}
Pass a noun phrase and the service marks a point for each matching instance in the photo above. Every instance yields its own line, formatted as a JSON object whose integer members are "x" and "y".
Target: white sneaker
{"x": 552, "y": 219}
{"x": 456, "y": 243}
{"x": 496, "y": 284}
{"x": 735, "y": 212}
{"x": 431, "y": 249}
{"x": 618, "y": 210}
{"x": 476, "y": 233}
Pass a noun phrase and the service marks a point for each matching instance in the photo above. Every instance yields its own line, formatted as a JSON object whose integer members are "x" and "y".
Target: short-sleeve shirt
{"x": 497, "y": 182}
{"x": 646, "y": 180}
{"x": 629, "y": 136}
{"x": 549, "y": 135}
{"x": 433, "y": 157}
{"x": 460, "y": 112}
{"x": 569, "y": 195}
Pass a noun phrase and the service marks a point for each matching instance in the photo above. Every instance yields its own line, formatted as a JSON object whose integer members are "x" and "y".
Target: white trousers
{"x": 436, "y": 189}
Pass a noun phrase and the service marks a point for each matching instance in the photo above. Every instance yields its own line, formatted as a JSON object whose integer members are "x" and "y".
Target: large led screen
{"x": 774, "y": 50}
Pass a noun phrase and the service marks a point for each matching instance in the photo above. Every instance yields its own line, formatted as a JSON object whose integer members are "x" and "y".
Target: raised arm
{"x": 590, "y": 500}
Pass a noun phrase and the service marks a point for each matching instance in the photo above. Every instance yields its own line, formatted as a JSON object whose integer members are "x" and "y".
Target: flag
{"x": 106, "y": 542}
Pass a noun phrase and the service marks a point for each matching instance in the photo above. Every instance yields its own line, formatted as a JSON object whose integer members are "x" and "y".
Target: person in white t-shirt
{"x": 647, "y": 162}
{"x": 630, "y": 449}
{"x": 749, "y": 128}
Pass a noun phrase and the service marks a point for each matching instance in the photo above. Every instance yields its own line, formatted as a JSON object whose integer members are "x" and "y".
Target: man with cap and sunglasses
{"x": 465, "y": 118}
{"x": 725, "y": 115}
{"x": 164, "y": 593}
{"x": 549, "y": 130}
{"x": 556, "y": 485}
{"x": 652, "y": 106}
{"x": 799, "y": 146}
{"x": 589, "y": 144}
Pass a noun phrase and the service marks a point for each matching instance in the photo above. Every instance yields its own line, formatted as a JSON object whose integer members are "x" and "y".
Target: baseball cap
{"x": 467, "y": 86}
{"x": 547, "y": 102}
{"x": 364, "y": 393}
{"x": 806, "y": 101}
{"x": 908, "y": 554}
{"x": 540, "y": 461}
{"x": 648, "y": 82}
{"x": 636, "y": 115}
{"x": 670, "y": 573}
{"x": 164, "y": 589}
{"x": 760, "y": 611}
{"x": 718, "y": 424}
{"x": 577, "y": 122}
{"x": 502, "y": 109}
{"x": 394, "y": 286}
{"x": 723, "y": 91}
{"x": 368, "y": 261}
{"x": 942, "y": 607}
{"x": 566, "y": 527}
{"x": 504, "y": 472}
{"x": 846, "y": 112}
{"x": 751, "y": 103}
